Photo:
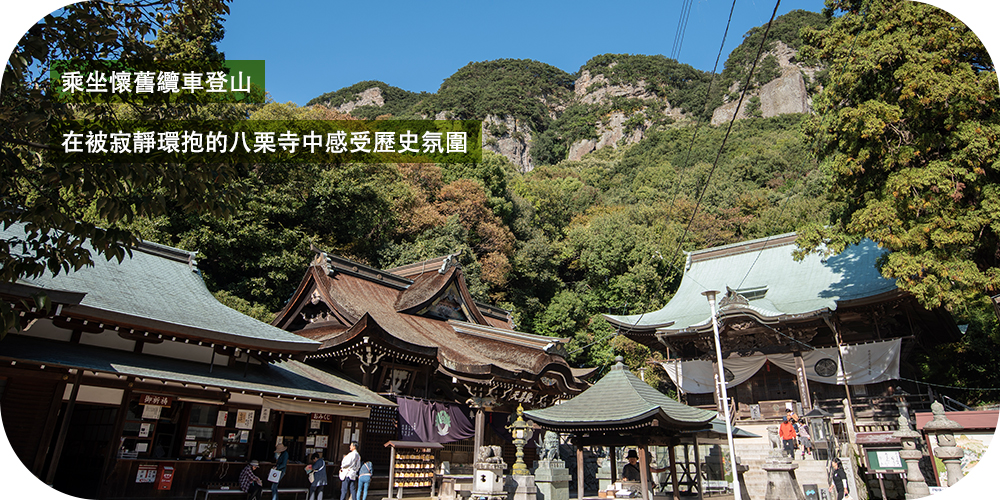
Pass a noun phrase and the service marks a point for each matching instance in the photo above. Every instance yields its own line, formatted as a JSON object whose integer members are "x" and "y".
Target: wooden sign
{"x": 876, "y": 438}
{"x": 155, "y": 399}
{"x": 322, "y": 417}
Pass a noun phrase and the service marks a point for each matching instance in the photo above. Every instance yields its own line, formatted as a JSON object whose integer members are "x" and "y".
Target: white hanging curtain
{"x": 872, "y": 363}
{"x": 864, "y": 364}
{"x": 691, "y": 377}
{"x": 742, "y": 368}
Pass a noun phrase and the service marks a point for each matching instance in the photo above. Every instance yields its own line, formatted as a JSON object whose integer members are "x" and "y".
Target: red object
{"x": 166, "y": 477}
{"x": 979, "y": 420}
{"x": 786, "y": 430}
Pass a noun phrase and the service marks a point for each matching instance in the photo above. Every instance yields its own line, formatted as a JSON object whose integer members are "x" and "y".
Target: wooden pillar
{"x": 697, "y": 469}
{"x": 579, "y": 471}
{"x": 673, "y": 470}
{"x": 392, "y": 469}
{"x": 112, "y": 450}
{"x": 64, "y": 428}
{"x": 55, "y": 404}
{"x": 644, "y": 472}
{"x": 800, "y": 375}
{"x": 614, "y": 465}
{"x": 480, "y": 431}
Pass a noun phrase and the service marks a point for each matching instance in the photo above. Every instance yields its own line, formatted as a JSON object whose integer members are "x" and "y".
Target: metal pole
{"x": 737, "y": 494}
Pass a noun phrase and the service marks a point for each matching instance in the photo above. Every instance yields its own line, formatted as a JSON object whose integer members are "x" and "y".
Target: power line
{"x": 682, "y": 22}
{"x": 708, "y": 99}
{"x": 729, "y": 129}
{"x": 843, "y": 67}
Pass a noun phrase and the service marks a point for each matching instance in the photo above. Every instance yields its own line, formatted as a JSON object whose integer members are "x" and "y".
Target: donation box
{"x": 166, "y": 477}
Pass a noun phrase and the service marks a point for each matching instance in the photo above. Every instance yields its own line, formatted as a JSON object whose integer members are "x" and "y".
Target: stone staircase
{"x": 809, "y": 471}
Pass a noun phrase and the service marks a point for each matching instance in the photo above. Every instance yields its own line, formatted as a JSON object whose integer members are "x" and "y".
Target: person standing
{"x": 349, "y": 468}
{"x": 364, "y": 480}
{"x": 838, "y": 479}
{"x": 317, "y": 466}
{"x": 280, "y": 463}
{"x": 630, "y": 471}
{"x": 787, "y": 433}
{"x": 250, "y": 483}
{"x": 805, "y": 440}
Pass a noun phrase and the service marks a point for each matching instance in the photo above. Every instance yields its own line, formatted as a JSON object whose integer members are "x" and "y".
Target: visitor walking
{"x": 787, "y": 433}
{"x": 317, "y": 471}
{"x": 278, "y": 471}
{"x": 364, "y": 480}
{"x": 349, "y": 468}
{"x": 805, "y": 440}
{"x": 838, "y": 480}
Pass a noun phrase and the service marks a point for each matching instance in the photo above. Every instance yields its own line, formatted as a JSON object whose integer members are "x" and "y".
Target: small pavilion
{"x": 622, "y": 410}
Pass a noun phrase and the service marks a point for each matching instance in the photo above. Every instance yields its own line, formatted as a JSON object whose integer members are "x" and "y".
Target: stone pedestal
{"x": 781, "y": 481}
{"x": 522, "y": 487}
{"x": 944, "y": 429}
{"x": 916, "y": 487}
{"x": 740, "y": 470}
{"x": 487, "y": 478}
{"x": 552, "y": 480}
{"x": 603, "y": 474}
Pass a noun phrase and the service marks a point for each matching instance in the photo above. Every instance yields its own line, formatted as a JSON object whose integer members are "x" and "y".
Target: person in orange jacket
{"x": 786, "y": 431}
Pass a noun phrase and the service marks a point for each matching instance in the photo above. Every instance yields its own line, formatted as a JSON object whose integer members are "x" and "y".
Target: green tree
{"x": 51, "y": 200}
{"x": 907, "y": 132}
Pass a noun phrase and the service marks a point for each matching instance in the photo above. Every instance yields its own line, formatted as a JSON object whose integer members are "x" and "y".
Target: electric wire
{"x": 718, "y": 155}
{"x": 682, "y": 22}
{"x": 843, "y": 67}
{"x": 698, "y": 124}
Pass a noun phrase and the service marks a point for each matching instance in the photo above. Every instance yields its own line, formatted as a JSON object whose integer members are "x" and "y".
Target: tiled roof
{"x": 290, "y": 378}
{"x": 158, "y": 287}
{"x": 461, "y": 346}
{"x": 620, "y": 399}
{"x": 776, "y": 285}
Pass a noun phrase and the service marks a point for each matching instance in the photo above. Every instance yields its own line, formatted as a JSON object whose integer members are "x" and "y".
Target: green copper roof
{"x": 776, "y": 286}
{"x": 159, "y": 288}
{"x": 620, "y": 399}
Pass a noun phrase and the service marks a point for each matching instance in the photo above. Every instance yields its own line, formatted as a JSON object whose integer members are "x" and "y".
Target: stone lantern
{"x": 916, "y": 487}
{"x": 949, "y": 453}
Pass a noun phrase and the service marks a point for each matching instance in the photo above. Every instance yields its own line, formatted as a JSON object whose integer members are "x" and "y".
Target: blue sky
{"x": 312, "y": 47}
{"x": 319, "y": 46}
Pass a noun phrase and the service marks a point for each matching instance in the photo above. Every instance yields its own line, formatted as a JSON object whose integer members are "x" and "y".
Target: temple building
{"x": 415, "y": 334}
{"x": 793, "y": 332}
{"x": 137, "y": 382}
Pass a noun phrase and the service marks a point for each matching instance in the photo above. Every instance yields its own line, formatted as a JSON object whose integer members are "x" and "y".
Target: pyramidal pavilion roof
{"x": 620, "y": 400}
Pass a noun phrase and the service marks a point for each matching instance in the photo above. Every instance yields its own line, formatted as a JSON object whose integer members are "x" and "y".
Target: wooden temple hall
{"x": 415, "y": 335}
{"x": 138, "y": 383}
{"x": 798, "y": 334}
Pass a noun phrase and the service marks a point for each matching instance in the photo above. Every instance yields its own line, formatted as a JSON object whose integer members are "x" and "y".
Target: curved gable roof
{"x": 777, "y": 286}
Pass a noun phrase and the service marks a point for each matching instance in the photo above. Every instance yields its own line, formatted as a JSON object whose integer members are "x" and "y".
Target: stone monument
{"x": 947, "y": 450}
{"x": 551, "y": 476}
{"x": 916, "y": 487}
{"x": 488, "y": 478}
{"x": 781, "y": 481}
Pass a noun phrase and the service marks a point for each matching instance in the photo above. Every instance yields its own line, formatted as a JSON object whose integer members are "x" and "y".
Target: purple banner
{"x": 433, "y": 422}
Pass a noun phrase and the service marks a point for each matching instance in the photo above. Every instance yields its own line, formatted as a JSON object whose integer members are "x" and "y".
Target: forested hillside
{"x": 594, "y": 183}
{"x": 592, "y": 227}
